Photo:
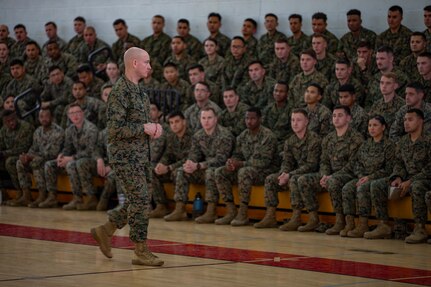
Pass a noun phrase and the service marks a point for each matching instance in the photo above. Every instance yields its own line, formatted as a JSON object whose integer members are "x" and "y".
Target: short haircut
{"x": 310, "y": 52}
{"x": 385, "y": 49}
{"x": 282, "y": 41}
{"x": 252, "y": 21}
{"x": 271, "y": 15}
{"x": 179, "y": 37}
{"x": 342, "y": 107}
{"x": 418, "y": 87}
{"x": 425, "y": 54}
{"x": 317, "y": 86}
{"x": 80, "y": 19}
{"x": 176, "y": 113}
{"x": 212, "y": 40}
{"x": 255, "y": 110}
{"x": 160, "y": 17}
{"x": 239, "y": 38}
{"x": 119, "y": 21}
{"x": 380, "y": 119}
{"x": 15, "y": 62}
{"x": 284, "y": 83}
{"x": 170, "y": 64}
{"x": 208, "y": 108}
{"x": 390, "y": 75}
{"x": 230, "y": 88}
{"x": 51, "y": 23}
{"x": 46, "y": 110}
{"x": 343, "y": 61}
{"x": 420, "y": 34}
{"x": 33, "y": 43}
{"x": 73, "y": 105}
{"x": 366, "y": 44}
{"x": 416, "y": 111}
{"x": 396, "y": 8}
{"x": 196, "y": 66}
{"x": 106, "y": 86}
{"x": 214, "y": 14}
{"x": 320, "y": 35}
{"x": 84, "y": 68}
{"x": 427, "y": 8}
{"x": 204, "y": 84}
{"x": 156, "y": 104}
{"x": 53, "y": 68}
{"x": 184, "y": 21}
{"x": 256, "y": 62}
{"x": 52, "y": 42}
{"x": 78, "y": 82}
{"x": 347, "y": 88}
{"x": 352, "y": 12}
{"x": 296, "y": 16}
{"x": 320, "y": 15}
{"x": 20, "y": 26}
{"x": 300, "y": 111}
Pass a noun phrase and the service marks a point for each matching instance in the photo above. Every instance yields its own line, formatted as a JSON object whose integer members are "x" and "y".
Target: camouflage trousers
{"x": 357, "y": 196}
{"x": 80, "y": 178}
{"x": 299, "y": 197}
{"x": 10, "y": 166}
{"x": 36, "y": 166}
{"x": 158, "y": 192}
{"x": 183, "y": 179}
{"x": 134, "y": 180}
{"x": 110, "y": 186}
{"x": 246, "y": 177}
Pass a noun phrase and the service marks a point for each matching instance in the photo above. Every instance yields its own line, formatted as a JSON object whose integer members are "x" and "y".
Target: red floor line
{"x": 283, "y": 260}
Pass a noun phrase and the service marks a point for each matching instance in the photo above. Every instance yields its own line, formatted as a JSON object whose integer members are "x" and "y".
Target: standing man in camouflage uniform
{"x": 299, "y": 41}
{"x": 129, "y": 133}
{"x": 319, "y": 24}
{"x": 211, "y": 147}
{"x": 232, "y": 117}
{"x": 15, "y": 139}
{"x": 253, "y": 159}
{"x": 265, "y": 45}
{"x": 121, "y": 30}
{"x": 397, "y": 36}
{"x": 48, "y": 141}
{"x": 300, "y": 155}
{"x": 249, "y": 28}
{"x": 195, "y": 49}
{"x": 157, "y": 44}
{"x": 223, "y": 41}
{"x": 74, "y": 44}
{"x": 18, "y": 48}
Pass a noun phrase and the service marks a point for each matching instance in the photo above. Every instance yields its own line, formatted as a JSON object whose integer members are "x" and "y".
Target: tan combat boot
{"x": 178, "y": 214}
{"x": 313, "y": 222}
{"x": 241, "y": 218}
{"x": 269, "y": 220}
{"x": 160, "y": 211}
{"x": 229, "y": 216}
{"x": 143, "y": 256}
{"x": 90, "y": 204}
{"x": 359, "y": 230}
{"x": 294, "y": 222}
{"x": 103, "y": 235}
{"x": 419, "y": 234}
{"x": 350, "y": 225}
{"x": 12, "y": 202}
{"x": 24, "y": 200}
{"x": 339, "y": 225}
{"x": 382, "y": 231}
{"x": 210, "y": 215}
{"x": 40, "y": 198}
{"x": 50, "y": 201}
{"x": 73, "y": 204}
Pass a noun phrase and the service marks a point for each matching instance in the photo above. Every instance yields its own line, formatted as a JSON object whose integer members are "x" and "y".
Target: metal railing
{"x": 27, "y": 103}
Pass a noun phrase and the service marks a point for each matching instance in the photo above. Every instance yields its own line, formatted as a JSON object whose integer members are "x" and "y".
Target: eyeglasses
{"x": 74, "y": 113}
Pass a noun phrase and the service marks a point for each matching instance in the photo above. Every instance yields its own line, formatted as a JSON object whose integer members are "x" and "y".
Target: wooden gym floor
{"x": 52, "y": 247}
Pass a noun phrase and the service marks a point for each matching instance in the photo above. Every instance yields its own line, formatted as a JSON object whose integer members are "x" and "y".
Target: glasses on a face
{"x": 74, "y": 113}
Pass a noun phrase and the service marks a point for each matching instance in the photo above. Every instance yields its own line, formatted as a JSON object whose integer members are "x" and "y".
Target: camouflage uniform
{"x": 9, "y": 41}
{"x": 193, "y": 114}
{"x": 61, "y": 44}
{"x": 413, "y": 162}
{"x": 265, "y": 47}
{"x": 251, "y": 46}
{"x": 366, "y": 75}
{"x": 37, "y": 69}
{"x": 74, "y": 45}
{"x": 284, "y": 71}
{"x": 299, "y": 45}
{"x": 223, "y": 44}
{"x": 320, "y": 120}
{"x": 5, "y": 78}
{"x": 213, "y": 150}
{"x": 181, "y": 87}
{"x": 427, "y": 89}
{"x": 373, "y": 94}
{"x": 174, "y": 156}
{"x": 216, "y": 95}
{"x": 374, "y": 160}
{"x": 5, "y": 66}
{"x": 257, "y": 152}
{"x": 182, "y": 63}
{"x": 118, "y": 46}
{"x": 235, "y": 72}
{"x": 17, "y": 50}
{"x": 94, "y": 111}
{"x": 300, "y": 83}
{"x": 399, "y": 42}
{"x": 349, "y": 43}
{"x": 85, "y": 51}
{"x": 46, "y": 146}
{"x": 129, "y": 155}
{"x": 234, "y": 121}
{"x": 331, "y": 97}
{"x": 157, "y": 146}
{"x": 359, "y": 120}
{"x": 213, "y": 69}
{"x": 59, "y": 96}
{"x": 79, "y": 143}
{"x": 387, "y": 110}
{"x": 16, "y": 87}
{"x": 332, "y": 42}
{"x": 195, "y": 48}
{"x": 397, "y": 128}
{"x": 410, "y": 68}
{"x": 94, "y": 89}
{"x": 300, "y": 156}
{"x": 12, "y": 144}
{"x": 159, "y": 47}
{"x": 427, "y": 33}
{"x": 278, "y": 120}
{"x": 256, "y": 96}
{"x": 66, "y": 62}
{"x": 326, "y": 66}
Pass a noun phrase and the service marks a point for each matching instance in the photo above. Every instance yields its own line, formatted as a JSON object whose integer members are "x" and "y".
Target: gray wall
{"x": 137, "y": 13}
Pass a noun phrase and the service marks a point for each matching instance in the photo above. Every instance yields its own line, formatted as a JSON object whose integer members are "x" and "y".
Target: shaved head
{"x": 137, "y": 64}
